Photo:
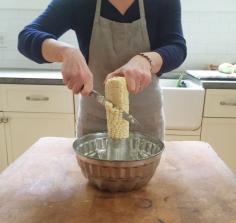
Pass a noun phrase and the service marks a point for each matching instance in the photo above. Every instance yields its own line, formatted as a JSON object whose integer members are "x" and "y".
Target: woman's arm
{"x": 76, "y": 74}
{"x": 51, "y": 24}
{"x": 55, "y": 51}
{"x": 38, "y": 42}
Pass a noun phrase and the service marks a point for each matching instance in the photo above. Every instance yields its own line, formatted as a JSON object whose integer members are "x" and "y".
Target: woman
{"x": 137, "y": 39}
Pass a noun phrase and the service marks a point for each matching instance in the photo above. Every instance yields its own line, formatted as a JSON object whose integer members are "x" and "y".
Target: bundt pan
{"x": 118, "y": 165}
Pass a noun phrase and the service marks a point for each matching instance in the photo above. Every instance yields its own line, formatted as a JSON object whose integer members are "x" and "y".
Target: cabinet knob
{"x": 37, "y": 98}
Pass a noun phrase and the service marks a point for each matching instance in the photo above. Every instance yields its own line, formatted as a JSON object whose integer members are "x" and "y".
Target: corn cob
{"x": 116, "y": 92}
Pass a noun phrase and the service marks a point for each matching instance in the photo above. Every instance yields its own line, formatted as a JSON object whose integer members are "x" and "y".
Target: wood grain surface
{"x": 45, "y": 185}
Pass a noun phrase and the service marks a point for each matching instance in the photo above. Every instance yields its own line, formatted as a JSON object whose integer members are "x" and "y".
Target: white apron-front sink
{"x": 183, "y": 107}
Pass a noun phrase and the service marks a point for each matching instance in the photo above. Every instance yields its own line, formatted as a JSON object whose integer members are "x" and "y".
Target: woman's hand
{"x": 75, "y": 71}
{"x": 137, "y": 73}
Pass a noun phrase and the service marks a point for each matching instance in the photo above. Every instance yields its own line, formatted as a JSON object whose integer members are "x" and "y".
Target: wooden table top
{"x": 45, "y": 185}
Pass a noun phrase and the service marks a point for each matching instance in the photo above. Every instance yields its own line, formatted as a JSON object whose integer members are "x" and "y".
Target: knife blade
{"x": 126, "y": 116}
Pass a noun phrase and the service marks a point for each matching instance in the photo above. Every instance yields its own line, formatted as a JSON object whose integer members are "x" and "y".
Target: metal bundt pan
{"x": 118, "y": 165}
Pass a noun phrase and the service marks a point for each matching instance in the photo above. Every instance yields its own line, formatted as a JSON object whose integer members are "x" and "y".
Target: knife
{"x": 126, "y": 116}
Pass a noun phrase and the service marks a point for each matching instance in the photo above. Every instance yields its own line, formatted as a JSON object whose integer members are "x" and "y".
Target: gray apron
{"x": 112, "y": 45}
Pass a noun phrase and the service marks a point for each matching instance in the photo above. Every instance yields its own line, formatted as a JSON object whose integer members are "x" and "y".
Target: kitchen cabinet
{"x": 34, "y": 111}
{"x": 38, "y": 99}
{"x": 219, "y": 124}
{"x": 220, "y": 103}
{"x": 3, "y": 151}
{"x": 23, "y": 129}
{"x": 221, "y": 134}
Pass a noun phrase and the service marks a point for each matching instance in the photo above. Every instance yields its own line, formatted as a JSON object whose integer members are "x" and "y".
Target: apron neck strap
{"x": 141, "y": 9}
{"x": 98, "y": 10}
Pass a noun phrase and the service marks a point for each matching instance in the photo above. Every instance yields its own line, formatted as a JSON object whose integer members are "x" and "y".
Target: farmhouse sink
{"x": 183, "y": 106}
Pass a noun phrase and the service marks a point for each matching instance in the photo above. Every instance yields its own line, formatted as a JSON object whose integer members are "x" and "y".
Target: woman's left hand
{"x": 137, "y": 73}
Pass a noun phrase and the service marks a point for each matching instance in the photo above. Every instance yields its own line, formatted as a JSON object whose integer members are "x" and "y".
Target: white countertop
{"x": 38, "y": 77}
{"x": 211, "y": 74}
{"x": 38, "y": 74}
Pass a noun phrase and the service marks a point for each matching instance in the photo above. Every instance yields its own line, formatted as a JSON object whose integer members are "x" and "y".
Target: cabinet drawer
{"x": 1, "y": 98}
{"x": 220, "y": 103}
{"x": 38, "y": 98}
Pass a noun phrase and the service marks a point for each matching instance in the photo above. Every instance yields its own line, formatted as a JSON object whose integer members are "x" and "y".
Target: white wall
{"x": 209, "y": 27}
{"x": 210, "y": 30}
{"x": 23, "y": 4}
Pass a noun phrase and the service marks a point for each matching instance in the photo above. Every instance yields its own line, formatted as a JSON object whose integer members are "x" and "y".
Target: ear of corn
{"x": 116, "y": 92}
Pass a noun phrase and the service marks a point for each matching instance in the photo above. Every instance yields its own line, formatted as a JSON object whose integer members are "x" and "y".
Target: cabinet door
{"x": 221, "y": 134}
{"x": 3, "y": 153}
{"x": 24, "y": 129}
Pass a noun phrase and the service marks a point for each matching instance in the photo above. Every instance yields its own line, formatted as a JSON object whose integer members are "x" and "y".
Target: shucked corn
{"x": 116, "y": 92}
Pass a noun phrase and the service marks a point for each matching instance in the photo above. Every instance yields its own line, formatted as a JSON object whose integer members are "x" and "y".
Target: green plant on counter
{"x": 181, "y": 82}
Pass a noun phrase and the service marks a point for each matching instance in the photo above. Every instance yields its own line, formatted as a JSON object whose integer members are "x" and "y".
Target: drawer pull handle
{"x": 1, "y": 120}
{"x": 37, "y": 98}
{"x": 228, "y": 103}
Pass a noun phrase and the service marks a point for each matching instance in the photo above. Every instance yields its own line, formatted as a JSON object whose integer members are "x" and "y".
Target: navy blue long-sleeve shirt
{"x": 163, "y": 24}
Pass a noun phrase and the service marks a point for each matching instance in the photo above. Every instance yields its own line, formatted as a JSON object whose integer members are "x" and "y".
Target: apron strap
{"x": 142, "y": 14}
{"x": 98, "y": 11}
{"x": 141, "y": 9}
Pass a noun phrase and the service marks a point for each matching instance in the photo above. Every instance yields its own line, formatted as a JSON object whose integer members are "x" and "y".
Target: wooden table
{"x": 45, "y": 185}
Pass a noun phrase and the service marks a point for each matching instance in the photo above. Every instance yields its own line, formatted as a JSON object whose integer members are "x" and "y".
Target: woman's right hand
{"x": 76, "y": 73}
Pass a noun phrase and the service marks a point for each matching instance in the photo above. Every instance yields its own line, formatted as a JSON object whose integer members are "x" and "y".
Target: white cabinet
{"x": 221, "y": 134}
{"x": 220, "y": 103}
{"x": 3, "y": 149}
{"x": 219, "y": 124}
{"x": 31, "y": 112}
{"x": 24, "y": 129}
{"x": 38, "y": 98}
